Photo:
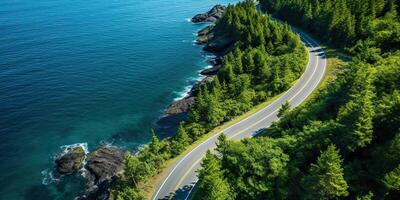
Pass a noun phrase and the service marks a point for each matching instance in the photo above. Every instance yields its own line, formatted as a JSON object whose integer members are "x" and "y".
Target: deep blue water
{"x": 94, "y": 71}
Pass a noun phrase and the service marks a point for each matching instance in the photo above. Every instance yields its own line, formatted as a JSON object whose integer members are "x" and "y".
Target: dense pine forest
{"x": 344, "y": 143}
{"x": 266, "y": 59}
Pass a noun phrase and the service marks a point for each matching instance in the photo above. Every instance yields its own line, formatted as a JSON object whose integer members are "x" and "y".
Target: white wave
{"x": 66, "y": 148}
{"x": 48, "y": 177}
{"x": 184, "y": 93}
{"x": 188, "y": 19}
{"x": 190, "y": 83}
{"x": 108, "y": 143}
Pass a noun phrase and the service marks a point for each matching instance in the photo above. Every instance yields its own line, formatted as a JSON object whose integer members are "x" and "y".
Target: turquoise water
{"x": 89, "y": 72}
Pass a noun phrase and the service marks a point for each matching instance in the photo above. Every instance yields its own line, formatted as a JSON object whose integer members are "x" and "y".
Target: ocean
{"x": 87, "y": 73}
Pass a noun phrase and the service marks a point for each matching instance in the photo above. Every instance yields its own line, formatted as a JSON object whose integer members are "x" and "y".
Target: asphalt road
{"x": 182, "y": 175}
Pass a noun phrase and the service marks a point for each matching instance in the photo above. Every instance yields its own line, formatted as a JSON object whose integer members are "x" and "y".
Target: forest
{"x": 344, "y": 142}
{"x": 266, "y": 60}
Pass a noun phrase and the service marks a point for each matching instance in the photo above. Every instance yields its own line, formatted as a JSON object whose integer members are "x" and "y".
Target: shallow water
{"x": 89, "y": 72}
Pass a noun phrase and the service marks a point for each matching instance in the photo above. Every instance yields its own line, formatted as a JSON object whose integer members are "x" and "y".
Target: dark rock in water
{"x": 105, "y": 163}
{"x": 200, "y": 18}
{"x": 211, "y": 71}
{"x": 98, "y": 192}
{"x": 180, "y": 106}
{"x": 71, "y": 162}
{"x": 211, "y": 16}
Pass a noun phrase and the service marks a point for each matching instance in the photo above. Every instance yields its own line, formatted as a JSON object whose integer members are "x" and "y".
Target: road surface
{"x": 182, "y": 175}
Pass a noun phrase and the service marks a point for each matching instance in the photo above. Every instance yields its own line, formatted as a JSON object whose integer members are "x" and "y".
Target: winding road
{"x": 182, "y": 175}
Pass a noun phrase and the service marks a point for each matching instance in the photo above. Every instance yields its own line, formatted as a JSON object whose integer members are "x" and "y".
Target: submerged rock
{"x": 70, "y": 162}
{"x": 211, "y": 16}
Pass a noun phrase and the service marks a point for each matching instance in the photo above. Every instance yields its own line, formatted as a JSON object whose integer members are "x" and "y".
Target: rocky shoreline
{"x": 103, "y": 165}
{"x": 218, "y": 46}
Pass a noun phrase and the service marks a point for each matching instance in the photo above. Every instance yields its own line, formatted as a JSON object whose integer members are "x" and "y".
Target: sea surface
{"x": 87, "y": 73}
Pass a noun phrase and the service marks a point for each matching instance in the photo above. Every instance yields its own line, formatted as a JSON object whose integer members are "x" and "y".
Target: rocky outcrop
{"x": 204, "y": 35}
{"x": 183, "y": 105}
{"x": 218, "y": 45}
{"x": 103, "y": 165}
{"x": 71, "y": 162}
{"x": 211, "y": 71}
{"x": 105, "y": 162}
{"x": 211, "y": 16}
{"x": 195, "y": 89}
{"x": 180, "y": 106}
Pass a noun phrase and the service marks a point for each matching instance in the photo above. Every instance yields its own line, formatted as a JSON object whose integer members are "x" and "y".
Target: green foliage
{"x": 180, "y": 141}
{"x": 255, "y": 169}
{"x": 267, "y": 59}
{"x": 128, "y": 193}
{"x": 366, "y": 197}
{"x": 356, "y": 114}
{"x": 135, "y": 171}
{"x": 212, "y": 180}
{"x": 326, "y": 179}
{"x": 285, "y": 108}
{"x": 344, "y": 22}
{"x": 392, "y": 179}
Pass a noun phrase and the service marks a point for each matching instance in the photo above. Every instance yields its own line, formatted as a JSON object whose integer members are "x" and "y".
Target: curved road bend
{"x": 182, "y": 175}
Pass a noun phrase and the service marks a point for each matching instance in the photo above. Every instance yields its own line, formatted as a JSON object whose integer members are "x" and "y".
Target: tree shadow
{"x": 180, "y": 194}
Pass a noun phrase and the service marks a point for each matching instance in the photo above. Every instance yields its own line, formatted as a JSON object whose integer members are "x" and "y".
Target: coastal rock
{"x": 206, "y": 30}
{"x": 180, "y": 106}
{"x": 204, "y": 35}
{"x": 105, "y": 163}
{"x": 196, "y": 87}
{"x": 183, "y": 105}
{"x": 71, "y": 161}
{"x": 215, "y": 61}
{"x": 211, "y": 71}
{"x": 219, "y": 44}
{"x": 211, "y": 16}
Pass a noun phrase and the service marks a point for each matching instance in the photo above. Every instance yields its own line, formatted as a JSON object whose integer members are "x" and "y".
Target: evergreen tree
{"x": 128, "y": 193}
{"x": 212, "y": 181}
{"x": 358, "y": 113}
{"x": 326, "y": 179}
{"x": 155, "y": 142}
{"x": 392, "y": 179}
{"x": 285, "y": 108}
{"x": 181, "y": 140}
